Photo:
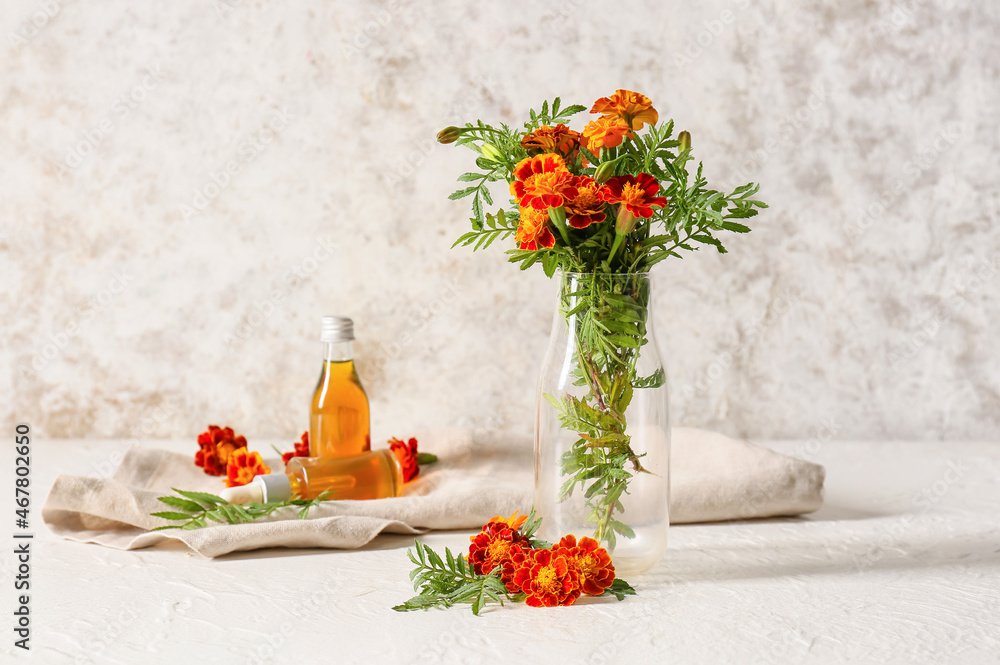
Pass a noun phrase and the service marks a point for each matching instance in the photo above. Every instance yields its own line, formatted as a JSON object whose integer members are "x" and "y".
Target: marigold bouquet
{"x": 603, "y": 206}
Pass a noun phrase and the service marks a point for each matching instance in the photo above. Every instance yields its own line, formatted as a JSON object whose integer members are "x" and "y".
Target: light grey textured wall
{"x": 864, "y": 304}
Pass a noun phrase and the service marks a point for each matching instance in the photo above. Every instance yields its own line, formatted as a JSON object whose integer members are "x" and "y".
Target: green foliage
{"x": 201, "y": 507}
{"x": 443, "y": 582}
{"x": 619, "y": 589}
{"x": 607, "y": 316}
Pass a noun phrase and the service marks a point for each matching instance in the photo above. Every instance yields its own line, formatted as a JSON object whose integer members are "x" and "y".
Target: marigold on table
{"x": 605, "y": 133}
{"x": 215, "y": 447}
{"x": 591, "y": 562}
{"x": 587, "y": 207}
{"x": 301, "y": 449}
{"x": 493, "y": 547}
{"x": 406, "y": 453}
{"x": 547, "y": 579}
{"x": 515, "y": 521}
{"x": 244, "y": 466}
{"x": 542, "y": 182}
{"x": 633, "y": 108}
{"x": 533, "y": 231}
{"x": 560, "y": 140}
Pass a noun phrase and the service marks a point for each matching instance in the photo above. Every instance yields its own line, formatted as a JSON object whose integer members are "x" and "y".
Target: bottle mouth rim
{"x": 622, "y": 275}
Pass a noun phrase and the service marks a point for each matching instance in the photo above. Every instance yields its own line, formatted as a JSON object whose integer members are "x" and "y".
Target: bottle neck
{"x": 339, "y": 351}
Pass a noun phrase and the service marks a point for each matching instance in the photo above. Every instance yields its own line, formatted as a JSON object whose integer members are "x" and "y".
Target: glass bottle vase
{"x": 602, "y": 432}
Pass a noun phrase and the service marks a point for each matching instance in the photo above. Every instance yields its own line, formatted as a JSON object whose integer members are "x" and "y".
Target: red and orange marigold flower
{"x": 542, "y": 182}
{"x": 301, "y": 449}
{"x": 547, "y": 579}
{"x": 560, "y": 140}
{"x": 533, "y": 231}
{"x": 605, "y": 133}
{"x": 591, "y": 562}
{"x": 244, "y": 466}
{"x": 494, "y": 545}
{"x": 215, "y": 447}
{"x": 406, "y": 453}
{"x": 633, "y": 108}
{"x": 637, "y": 196}
{"x": 587, "y": 207}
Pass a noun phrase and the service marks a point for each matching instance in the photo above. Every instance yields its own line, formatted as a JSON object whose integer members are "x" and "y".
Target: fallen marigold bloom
{"x": 515, "y": 521}
{"x": 547, "y": 579}
{"x": 244, "y": 466}
{"x": 215, "y": 447}
{"x": 493, "y": 547}
{"x": 542, "y": 182}
{"x": 591, "y": 562}
{"x": 533, "y": 231}
{"x": 406, "y": 453}
{"x": 633, "y": 108}
{"x": 301, "y": 449}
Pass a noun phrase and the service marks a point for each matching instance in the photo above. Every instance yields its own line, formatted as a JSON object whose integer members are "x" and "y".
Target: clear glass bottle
{"x": 602, "y": 433}
{"x": 373, "y": 475}
{"x": 339, "y": 416}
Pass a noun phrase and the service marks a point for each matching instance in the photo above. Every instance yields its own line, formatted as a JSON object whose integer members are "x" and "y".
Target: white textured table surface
{"x": 902, "y": 565}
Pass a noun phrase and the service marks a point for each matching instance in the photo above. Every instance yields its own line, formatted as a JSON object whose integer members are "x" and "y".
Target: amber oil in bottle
{"x": 372, "y": 475}
{"x": 339, "y": 416}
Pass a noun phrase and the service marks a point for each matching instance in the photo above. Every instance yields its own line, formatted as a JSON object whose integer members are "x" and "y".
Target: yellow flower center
{"x": 547, "y": 182}
{"x": 586, "y": 199}
{"x": 632, "y": 194}
{"x": 497, "y": 551}
{"x": 547, "y": 580}
{"x": 586, "y": 565}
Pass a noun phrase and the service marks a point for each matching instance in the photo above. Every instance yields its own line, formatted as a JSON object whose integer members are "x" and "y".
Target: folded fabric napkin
{"x": 478, "y": 475}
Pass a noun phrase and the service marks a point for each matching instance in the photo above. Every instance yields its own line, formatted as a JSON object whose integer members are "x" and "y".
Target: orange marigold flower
{"x": 515, "y": 521}
{"x": 543, "y": 182}
{"x": 587, "y": 207}
{"x": 560, "y": 140}
{"x": 493, "y": 547}
{"x": 215, "y": 447}
{"x": 547, "y": 578}
{"x": 533, "y": 231}
{"x": 605, "y": 133}
{"x": 634, "y": 108}
{"x": 301, "y": 449}
{"x": 591, "y": 562}
{"x": 637, "y": 196}
{"x": 406, "y": 453}
{"x": 244, "y": 466}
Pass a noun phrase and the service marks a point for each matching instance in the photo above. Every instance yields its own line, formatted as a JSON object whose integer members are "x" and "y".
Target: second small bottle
{"x": 339, "y": 417}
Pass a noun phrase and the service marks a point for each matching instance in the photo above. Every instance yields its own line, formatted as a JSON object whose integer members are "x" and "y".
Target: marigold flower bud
{"x": 626, "y": 221}
{"x": 685, "y": 140}
{"x": 491, "y": 152}
{"x": 604, "y": 172}
{"x": 449, "y": 134}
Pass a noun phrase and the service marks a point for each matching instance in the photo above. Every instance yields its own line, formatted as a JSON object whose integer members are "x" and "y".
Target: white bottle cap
{"x": 242, "y": 494}
{"x": 276, "y": 487}
{"x": 269, "y": 488}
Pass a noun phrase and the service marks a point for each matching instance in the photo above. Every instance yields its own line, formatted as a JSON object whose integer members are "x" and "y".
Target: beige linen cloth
{"x": 478, "y": 475}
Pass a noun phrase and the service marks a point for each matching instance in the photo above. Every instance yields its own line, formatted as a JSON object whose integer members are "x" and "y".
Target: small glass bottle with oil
{"x": 339, "y": 417}
{"x": 373, "y": 475}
